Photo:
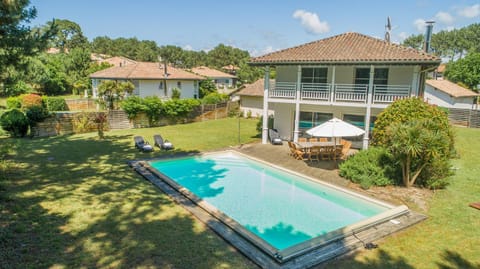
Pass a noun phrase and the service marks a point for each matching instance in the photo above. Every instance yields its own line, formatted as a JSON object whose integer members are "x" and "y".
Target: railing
{"x": 390, "y": 93}
{"x": 356, "y": 93}
{"x": 315, "y": 91}
{"x": 351, "y": 93}
{"x": 283, "y": 90}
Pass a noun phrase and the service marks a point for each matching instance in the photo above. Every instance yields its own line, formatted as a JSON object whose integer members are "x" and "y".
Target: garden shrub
{"x": 176, "y": 93}
{"x": 132, "y": 106}
{"x": 14, "y": 122}
{"x": 14, "y": 102}
{"x": 55, "y": 103}
{"x": 259, "y": 127}
{"x": 31, "y": 99}
{"x": 36, "y": 114}
{"x": 179, "y": 109}
{"x": 83, "y": 122}
{"x": 153, "y": 107}
{"x": 371, "y": 167}
{"x": 214, "y": 98}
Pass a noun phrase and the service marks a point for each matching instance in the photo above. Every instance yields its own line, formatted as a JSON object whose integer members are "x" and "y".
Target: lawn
{"x": 71, "y": 201}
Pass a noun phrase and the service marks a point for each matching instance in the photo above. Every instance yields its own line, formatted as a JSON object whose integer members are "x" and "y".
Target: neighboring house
{"x": 222, "y": 80}
{"x": 251, "y": 99}
{"x": 447, "y": 94}
{"x": 349, "y": 76}
{"x": 151, "y": 79}
{"x": 117, "y": 61}
{"x": 231, "y": 69}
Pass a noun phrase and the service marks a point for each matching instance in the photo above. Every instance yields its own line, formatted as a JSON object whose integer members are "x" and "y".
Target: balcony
{"x": 344, "y": 93}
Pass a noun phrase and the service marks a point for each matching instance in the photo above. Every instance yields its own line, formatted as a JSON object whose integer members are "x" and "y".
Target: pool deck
{"x": 322, "y": 170}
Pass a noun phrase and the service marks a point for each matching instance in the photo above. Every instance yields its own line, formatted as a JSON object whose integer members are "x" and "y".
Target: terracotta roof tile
{"x": 451, "y": 88}
{"x": 254, "y": 89}
{"x": 210, "y": 73}
{"x": 347, "y": 48}
{"x": 144, "y": 70}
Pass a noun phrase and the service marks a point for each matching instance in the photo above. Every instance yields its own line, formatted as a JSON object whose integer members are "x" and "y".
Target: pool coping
{"x": 303, "y": 255}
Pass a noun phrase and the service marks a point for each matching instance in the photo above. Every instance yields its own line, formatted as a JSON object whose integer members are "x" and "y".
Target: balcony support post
{"x": 332, "y": 86}
{"x": 296, "y": 131}
{"x": 369, "y": 107}
{"x": 415, "y": 85}
{"x": 265, "y": 105}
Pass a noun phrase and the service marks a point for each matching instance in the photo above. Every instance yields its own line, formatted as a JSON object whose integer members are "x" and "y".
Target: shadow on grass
{"x": 73, "y": 202}
{"x": 453, "y": 260}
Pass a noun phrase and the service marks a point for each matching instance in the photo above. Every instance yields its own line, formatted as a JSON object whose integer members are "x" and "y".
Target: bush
{"x": 31, "y": 99}
{"x": 132, "y": 106}
{"x": 14, "y": 102}
{"x": 260, "y": 123}
{"x": 36, "y": 114}
{"x": 55, "y": 103}
{"x": 153, "y": 107}
{"x": 371, "y": 167}
{"x": 214, "y": 98}
{"x": 179, "y": 109}
{"x": 14, "y": 122}
{"x": 176, "y": 93}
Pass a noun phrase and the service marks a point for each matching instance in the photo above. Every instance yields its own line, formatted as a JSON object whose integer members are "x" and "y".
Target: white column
{"x": 332, "y": 89}
{"x": 296, "y": 132}
{"x": 369, "y": 107}
{"x": 415, "y": 84}
{"x": 265, "y": 105}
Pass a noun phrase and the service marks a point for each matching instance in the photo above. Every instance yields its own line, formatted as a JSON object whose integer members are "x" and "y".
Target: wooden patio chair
{"x": 302, "y": 139}
{"x": 326, "y": 153}
{"x": 322, "y": 139}
{"x": 292, "y": 148}
{"x": 345, "y": 148}
{"x": 314, "y": 154}
{"x": 313, "y": 139}
{"x": 300, "y": 155}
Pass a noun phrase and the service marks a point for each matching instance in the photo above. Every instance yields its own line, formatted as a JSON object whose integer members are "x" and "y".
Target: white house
{"x": 349, "y": 76}
{"x": 151, "y": 79}
{"x": 251, "y": 99}
{"x": 221, "y": 79}
{"x": 447, "y": 94}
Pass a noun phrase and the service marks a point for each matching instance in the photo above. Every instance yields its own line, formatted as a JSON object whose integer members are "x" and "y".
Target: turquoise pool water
{"x": 281, "y": 208}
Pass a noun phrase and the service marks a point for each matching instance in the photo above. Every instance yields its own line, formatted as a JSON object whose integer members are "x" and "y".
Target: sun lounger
{"x": 274, "y": 137}
{"x": 141, "y": 144}
{"x": 162, "y": 144}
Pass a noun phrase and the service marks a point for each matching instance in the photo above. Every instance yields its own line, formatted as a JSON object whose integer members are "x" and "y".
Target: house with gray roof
{"x": 350, "y": 76}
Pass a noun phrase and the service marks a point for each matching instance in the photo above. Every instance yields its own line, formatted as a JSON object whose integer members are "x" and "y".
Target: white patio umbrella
{"x": 335, "y": 128}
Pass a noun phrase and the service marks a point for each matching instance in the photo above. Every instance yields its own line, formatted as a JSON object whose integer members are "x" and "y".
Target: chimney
{"x": 164, "y": 66}
{"x": 428, "y": 36}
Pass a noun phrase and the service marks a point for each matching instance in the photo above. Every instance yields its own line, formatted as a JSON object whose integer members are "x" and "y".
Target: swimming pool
{"x": 282, "y": 213}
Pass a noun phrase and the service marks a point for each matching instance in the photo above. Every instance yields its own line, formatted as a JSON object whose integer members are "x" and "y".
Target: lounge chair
{"x": 141, "y": 144}
{"x": 162, "y": 144}
{"x": 274, "y": 137}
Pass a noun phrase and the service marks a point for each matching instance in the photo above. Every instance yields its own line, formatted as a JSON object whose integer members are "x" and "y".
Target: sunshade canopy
{"x": 335, "y": 128}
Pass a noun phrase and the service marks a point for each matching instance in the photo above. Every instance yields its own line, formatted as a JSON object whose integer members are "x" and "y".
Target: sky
{"x": 260, "y": 26}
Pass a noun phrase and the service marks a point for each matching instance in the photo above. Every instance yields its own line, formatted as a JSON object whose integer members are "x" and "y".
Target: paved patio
{"x": 279, "y": 155}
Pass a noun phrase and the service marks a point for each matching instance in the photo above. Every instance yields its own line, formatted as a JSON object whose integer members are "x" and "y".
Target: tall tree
{"x": 68, "y": 35}
{"x": 466, "y": 71}
{"x": 17, "y": 40}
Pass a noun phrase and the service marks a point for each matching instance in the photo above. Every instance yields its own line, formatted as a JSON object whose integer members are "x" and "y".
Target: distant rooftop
{"x": 451, "y": 88}
{"x": 254, "y": 89}
{"x": 210, "y": 73}
{"x": 145, "y": 70}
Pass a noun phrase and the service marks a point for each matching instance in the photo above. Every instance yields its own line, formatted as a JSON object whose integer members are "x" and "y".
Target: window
{"x": 314, "y": 75}
{"x": 380, "y": 77}
{"x": 359, "y": 121}
{"x": 160, "y": 86}
{"x": 311, "y": 119}
{"x": 179, "y": 84}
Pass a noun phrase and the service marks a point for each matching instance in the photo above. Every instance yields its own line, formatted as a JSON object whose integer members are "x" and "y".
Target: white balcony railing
{"x": 350, "y": 93}
{"x": 390, "y": 93}
{"x": 283, "y": 90}
{"x": 315, "y": 91}
{"x": 356, "y": 93}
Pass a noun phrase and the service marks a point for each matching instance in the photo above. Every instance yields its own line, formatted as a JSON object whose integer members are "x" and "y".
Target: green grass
{"x": 71, "y": 201}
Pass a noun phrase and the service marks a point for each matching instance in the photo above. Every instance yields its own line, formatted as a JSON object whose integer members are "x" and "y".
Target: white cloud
{"x": 187, "y": 47}
{"x": 402, "y": 36}
{"x": 419, "y": 25}
{"x": 470, "y": 11}
{"x": 311, "y": 22}
{"x": 266, "y": 50}
{"x": 444, "y": 17}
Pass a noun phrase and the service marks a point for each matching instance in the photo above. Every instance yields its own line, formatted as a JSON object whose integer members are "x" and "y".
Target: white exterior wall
{"x": 283, "y": 120}
{"x": 286, "y": 74}
{"x": 400, "y": 75}
{"x": 442, "y": 99}
{"x": 152, "y": 88}
{"x": 254, "y": 105}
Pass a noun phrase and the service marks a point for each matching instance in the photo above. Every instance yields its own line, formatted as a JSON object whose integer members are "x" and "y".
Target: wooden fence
{"x": 464, "y": 117}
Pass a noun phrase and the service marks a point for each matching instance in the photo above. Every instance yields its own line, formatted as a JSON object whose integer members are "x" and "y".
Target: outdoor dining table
{"x": 307, "y": 146}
